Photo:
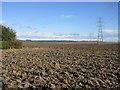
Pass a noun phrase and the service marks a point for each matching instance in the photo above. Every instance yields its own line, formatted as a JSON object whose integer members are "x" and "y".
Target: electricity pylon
{"x": 100, "y": 27}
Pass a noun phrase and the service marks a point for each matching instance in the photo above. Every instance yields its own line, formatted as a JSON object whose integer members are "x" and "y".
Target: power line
{"x": 90, "y": 37}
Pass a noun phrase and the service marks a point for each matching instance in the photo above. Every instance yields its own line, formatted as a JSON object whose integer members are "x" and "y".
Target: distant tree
{"x": 7, "y": 34}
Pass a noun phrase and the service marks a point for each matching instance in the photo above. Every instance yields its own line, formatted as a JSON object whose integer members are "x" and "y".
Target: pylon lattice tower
{"x": 100, "y": 33}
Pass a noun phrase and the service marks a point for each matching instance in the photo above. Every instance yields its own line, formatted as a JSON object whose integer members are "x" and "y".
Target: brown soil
{"x": 61, "y": 65}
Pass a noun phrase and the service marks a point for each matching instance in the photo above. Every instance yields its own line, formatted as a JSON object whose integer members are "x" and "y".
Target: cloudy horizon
{"x": 107, "y": 34}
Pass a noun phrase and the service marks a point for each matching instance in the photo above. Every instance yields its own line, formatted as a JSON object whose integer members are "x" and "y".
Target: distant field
{"x": 49, "y": 44}
{"x": 62, "y": 65}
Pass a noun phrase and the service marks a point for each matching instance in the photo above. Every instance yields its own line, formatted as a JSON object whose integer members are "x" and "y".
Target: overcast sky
{"x": 61, "y": 20}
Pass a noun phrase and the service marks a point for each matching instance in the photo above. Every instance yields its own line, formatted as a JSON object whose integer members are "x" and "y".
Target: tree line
{"x": 8, "y": 38}
{"x": 7, "y": 34}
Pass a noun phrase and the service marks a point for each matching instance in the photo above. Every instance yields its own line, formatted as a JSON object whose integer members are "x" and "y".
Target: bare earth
{"x": 61, "y": 65}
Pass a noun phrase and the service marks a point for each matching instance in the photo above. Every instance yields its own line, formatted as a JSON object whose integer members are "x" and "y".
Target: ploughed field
{"x": 61, "y": 65}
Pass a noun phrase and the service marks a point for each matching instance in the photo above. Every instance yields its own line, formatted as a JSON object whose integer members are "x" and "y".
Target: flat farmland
{"x": 61, "y": 65}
